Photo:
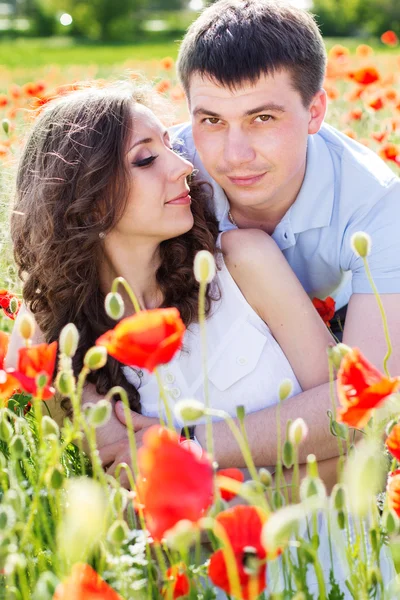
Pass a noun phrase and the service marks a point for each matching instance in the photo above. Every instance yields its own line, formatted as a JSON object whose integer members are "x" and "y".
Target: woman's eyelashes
{"x": 144, "y": 162}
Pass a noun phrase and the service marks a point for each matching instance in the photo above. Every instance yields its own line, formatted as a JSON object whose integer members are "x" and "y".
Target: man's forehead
{"x": 204, "y": 91}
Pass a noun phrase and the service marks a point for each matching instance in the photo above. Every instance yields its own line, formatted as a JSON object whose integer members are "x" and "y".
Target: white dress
{"x": 245, "y": 363}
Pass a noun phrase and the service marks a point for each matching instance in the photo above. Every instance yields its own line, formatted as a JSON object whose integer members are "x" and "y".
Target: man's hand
{"x": 111, "y": 455}
{"x": 139, "y": 421}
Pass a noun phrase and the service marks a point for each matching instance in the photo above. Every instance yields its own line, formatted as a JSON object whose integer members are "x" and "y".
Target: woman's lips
{"x": 186, "y": 199}
{"x": 246, "y": 181}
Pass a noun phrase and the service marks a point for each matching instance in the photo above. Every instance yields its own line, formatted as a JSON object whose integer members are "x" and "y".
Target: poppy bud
{"x": 343, "y": 349}
{"x": 335, "y": 356}
{"x": 26, "y": 326}
{"x": 278, "y": 500}
{"x": 312, "y": 486}
{"x": 390, "y": 522}
{"x": 204, "y": 266}
{"x": 119, "y": 499}
{"x": 95, "y": 358}
{"x": 118, "y": 532}
{"x": 374, "y": 577}
{"x": 189, "y": 410}
{"x": 18, "y": 447}
{"x": 65, "y": 383}
{"x": 361, "y": 243}
{"x": 339, "y": 430}
{"x": 265, "y": 477}
{"x": 50, "y": 427}
{"x": 6, "y": 430}
{"x": 6, "y": 126}
{"x": 338, "y": 496}
{"x": 288, "y": 454}
{"x": 114, "y": 305}
{"x": 390, "y": 426}
{"x": 280, "y": 527}
{"x": 14, "y": 305}
{"x": 182, "y": 536}
{"x": 240, "y": 412}
{"x": 99, "y": 413}
{"x": 69, "y": 339}
{"x": 285, "y": 389}
{"x": 56, "y": 478}
{"x": 298, "y": 431}
{"x": 341, "y": 519}
{"x": 7, "y": 517}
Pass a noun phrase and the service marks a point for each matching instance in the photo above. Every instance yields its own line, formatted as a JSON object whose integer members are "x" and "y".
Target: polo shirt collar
{"x": 314, "y": 204}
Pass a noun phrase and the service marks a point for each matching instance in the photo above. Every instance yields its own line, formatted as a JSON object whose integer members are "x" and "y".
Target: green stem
{"x": 164, "y": 398}
{"x": 383, "y": 316}
{"x": 132, "y": 297}
{"x": 118, "y": 390}
{"x": 203, "y": 338}
{"x": 333, "y": 399}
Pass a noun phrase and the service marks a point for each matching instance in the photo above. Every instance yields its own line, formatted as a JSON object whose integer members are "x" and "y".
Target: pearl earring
{"x": 102, "y": 235}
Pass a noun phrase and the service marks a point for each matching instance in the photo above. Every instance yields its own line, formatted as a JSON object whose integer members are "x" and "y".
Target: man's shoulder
{"x": 360, "y": 169}
{"x": 181, "y": 136}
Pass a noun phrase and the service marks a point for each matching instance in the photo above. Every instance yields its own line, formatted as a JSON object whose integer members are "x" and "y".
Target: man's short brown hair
{"x": 236, "y": 41}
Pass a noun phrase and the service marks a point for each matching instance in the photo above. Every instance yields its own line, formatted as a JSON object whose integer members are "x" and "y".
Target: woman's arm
{"x": 269, "y": 285}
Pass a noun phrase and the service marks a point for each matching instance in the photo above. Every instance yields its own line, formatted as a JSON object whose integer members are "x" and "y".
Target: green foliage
{"x": 357, "y": 17}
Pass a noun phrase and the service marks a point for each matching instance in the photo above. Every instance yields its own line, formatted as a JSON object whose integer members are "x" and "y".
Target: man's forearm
{"x": 311, "y": 405}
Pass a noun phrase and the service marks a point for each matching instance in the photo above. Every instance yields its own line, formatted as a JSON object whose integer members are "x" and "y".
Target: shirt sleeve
{"x": 382, "y": 223}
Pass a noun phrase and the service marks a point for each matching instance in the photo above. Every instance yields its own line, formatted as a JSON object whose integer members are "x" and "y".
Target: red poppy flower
{"x": 326, "y": 309}
{"x": 85, "y": 584}
{"x": 390, "y": 152}
{"x": 393, "y": 491}
{"x": 232, "y": 473}
{"x": 338, "y": 52}
{"x": 365, "y": 76}
{"x": 243, "y": 526}
{"x": 8, "y": 386}
{"x": 35, "y": 361}
{"x": 173, "y": 483}
{"x": 393, "y": 441}
{"x": 355, "y": 114}
{"x": 163, "y": 86}
{"x": 5, "y": 299}
{"x": 147, "y": 339}
{"x": 376, "y": 103}
{"x": 363, "y": 50}
{"x": 379, "y": 136}
{"x": 361, "y": 388}
{"x": 167, "y": 63}
{"x": 4, "y": 339}
{"x": 178, "y": 583}
{"x": 3, "y": 100}
{"x": 389, "y": 38}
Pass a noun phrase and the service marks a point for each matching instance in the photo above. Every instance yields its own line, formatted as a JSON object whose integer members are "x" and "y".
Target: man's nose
{"x": 238, "y": 148}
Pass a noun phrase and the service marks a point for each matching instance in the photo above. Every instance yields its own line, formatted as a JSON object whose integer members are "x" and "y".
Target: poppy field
{"x": 171, "y": 524}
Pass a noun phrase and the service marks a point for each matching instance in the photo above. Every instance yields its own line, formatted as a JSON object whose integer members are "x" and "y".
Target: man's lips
{"x": 246, "y": 180}
{"x": 182, "y": 199}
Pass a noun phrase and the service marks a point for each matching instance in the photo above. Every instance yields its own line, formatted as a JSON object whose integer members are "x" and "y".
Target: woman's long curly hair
{"x": 72, "y": 185}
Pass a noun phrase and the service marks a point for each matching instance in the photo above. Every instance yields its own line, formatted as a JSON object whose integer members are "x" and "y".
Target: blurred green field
{"x": 25, "y": 53}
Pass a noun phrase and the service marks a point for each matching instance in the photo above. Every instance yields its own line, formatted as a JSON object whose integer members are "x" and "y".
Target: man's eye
{"x": 211, "y": 120}
{"x": 264, "y": 118}
{"x": 145, "y": 162}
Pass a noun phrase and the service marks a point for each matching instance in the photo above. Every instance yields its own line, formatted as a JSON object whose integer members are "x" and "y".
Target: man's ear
{"x": 317, "y": 111}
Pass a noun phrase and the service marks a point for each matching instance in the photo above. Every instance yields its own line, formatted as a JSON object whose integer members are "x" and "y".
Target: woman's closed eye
{"x": 144, "y": 162}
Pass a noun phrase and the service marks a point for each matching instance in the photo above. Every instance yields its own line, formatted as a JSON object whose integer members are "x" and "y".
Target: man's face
{"x": 253, "y": 140}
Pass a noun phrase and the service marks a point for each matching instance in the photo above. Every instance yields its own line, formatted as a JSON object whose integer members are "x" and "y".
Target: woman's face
{"x": 158, "y": 206}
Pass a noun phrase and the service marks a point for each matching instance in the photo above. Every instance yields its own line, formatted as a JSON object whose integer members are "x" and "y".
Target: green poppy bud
{"x": 50, "y": 427}
{"x": 99, "y": 413}
{"x": 114, "y": 306}
{"x": 204, "y": 266}
{"x": 265, "y": 477}
{"x": 189, "y": 410}
{"x": 285, "y": 389}
{"x": 57, "y": 478}
{"x": 14, "y": 305}
{"x": 26, "y": 326}
{"x": 298, "y": 431}
{"x": 338, "y": 496}
{"x": 65, "y": 383}
{"x": 95, "y": 358}
{"x": 390, "y": 522}
{"x": 278, "y": 500}
{"x": 18, "y": 447}
{"x": 288, "y": 454}
{"x": 69, "y": 339}
{"x": 118, "y": 532}
{"x": 6, "y": 431}
{"x": 361, "y": 243}
{"x": 5, "y": 123}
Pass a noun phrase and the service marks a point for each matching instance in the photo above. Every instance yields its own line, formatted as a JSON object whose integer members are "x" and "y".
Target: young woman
{"x": 101, "y": 194}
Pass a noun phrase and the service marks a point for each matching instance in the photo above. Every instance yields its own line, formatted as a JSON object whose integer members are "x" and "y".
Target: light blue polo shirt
{"x": 347, "y": 188}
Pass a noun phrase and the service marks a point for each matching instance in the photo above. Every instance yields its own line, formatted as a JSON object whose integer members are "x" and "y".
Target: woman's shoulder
{"x": 243, "y": 248}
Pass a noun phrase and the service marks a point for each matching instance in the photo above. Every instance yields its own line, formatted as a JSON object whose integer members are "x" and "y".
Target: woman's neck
{"x": 137, "y": 263}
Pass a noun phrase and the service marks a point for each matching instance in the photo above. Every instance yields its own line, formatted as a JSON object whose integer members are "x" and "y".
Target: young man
{"x": 253, "y": 72}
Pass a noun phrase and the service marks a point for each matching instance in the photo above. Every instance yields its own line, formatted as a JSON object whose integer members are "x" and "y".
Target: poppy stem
{"x": 383, "y": 316}
{"x": 132, "y": 296}
{"x": 119, "y": 391}
{"x": 203, "y": 337}
{"x": 164, "y": 398}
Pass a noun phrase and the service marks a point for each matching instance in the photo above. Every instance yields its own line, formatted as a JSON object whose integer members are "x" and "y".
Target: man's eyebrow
{"x": 271, "y": 106}
{"x": 147, "y": 140}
